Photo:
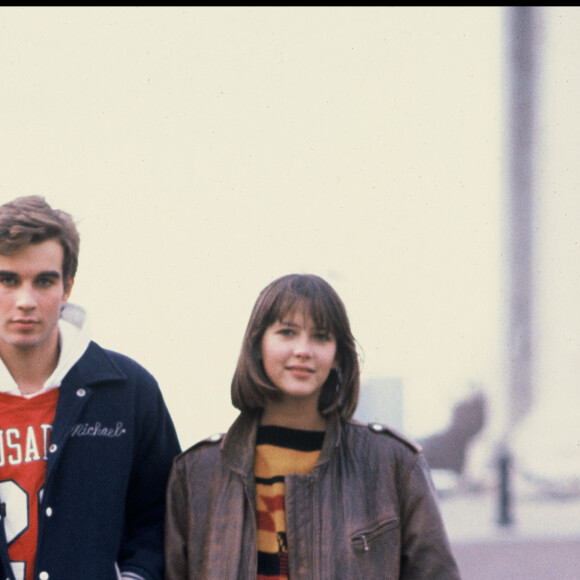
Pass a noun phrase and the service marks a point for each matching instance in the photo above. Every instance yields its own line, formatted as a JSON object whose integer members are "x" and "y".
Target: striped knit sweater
{"x": 279, "y": 452}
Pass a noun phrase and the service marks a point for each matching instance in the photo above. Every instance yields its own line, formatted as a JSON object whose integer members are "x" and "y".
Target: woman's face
{"x": 298, "y": 356}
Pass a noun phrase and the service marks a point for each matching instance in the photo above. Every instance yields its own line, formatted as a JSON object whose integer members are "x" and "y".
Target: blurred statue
{"x": 447, "y": 449}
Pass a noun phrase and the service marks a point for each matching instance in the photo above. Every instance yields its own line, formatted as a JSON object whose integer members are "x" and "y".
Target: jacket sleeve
{"x": 426, "y": 550}
{"x": 156, "y": 444}
{"x": 176, "y": 525}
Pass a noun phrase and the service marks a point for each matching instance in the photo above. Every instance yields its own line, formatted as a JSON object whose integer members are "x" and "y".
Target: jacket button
{"x": 43, "y": 575}
{"x": 81, "y": 393}
{"x": 53, "y": 447}
{"x": 48, "y": 511}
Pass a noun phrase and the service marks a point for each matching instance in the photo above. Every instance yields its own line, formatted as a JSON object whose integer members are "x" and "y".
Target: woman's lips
{"x": 301, "y": 371}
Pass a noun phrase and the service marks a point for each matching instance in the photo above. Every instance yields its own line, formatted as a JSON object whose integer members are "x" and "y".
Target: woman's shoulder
{"x": 383, "y": 434}
{"x": 203, "y": 448}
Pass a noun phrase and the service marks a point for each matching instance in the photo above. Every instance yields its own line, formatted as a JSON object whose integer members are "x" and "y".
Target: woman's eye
{"x": 322, "y": 336}
{"x": 286, "y": 332}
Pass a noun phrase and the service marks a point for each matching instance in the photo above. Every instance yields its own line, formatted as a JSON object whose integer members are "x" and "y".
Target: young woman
{"x": 297, "y": 489}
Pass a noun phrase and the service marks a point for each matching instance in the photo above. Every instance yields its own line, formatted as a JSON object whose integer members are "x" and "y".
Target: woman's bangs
{"x": 313, "y": 306}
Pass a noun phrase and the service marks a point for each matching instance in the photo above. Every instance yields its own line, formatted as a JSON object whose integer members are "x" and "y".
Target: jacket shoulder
{"x": 381, "y": 429}
{"x": 98, "y": 364}
{"x": 210, "y": 441}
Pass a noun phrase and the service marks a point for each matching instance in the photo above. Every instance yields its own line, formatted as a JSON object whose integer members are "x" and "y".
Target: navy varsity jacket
{"x": 111, "y": 448}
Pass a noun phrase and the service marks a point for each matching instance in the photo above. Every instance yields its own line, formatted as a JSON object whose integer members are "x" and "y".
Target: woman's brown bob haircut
{"x": 30, "y": 220}
{"x": 251, "y": 387}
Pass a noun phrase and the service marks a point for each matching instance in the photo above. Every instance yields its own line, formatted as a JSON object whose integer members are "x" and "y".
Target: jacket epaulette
{"x": 380, "y": 428}
{"x": 212, "y": 439}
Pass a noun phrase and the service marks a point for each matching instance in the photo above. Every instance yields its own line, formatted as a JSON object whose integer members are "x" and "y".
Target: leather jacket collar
{"x": 238, "y": 445}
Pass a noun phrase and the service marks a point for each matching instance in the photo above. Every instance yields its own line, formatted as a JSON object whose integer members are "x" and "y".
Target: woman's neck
{"x": 295, "y": 416}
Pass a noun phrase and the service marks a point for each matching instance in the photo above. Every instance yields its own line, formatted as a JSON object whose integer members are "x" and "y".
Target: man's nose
{"x": 26, "y": 298}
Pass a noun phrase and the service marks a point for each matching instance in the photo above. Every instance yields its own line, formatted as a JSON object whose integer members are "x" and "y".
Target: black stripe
{"x": 270, "y": 480}
{"x": 298, "y": 439}
{"x": 269, "y": 564}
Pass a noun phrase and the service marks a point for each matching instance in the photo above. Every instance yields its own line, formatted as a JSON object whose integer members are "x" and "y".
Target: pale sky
{"x": 206, "y": 151}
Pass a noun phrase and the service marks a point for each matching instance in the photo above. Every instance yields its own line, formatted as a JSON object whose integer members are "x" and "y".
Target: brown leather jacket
{"x": 367, "y": 510}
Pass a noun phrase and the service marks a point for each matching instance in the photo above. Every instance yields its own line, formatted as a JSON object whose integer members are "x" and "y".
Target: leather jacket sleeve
{"x": 175, "y": 534}
{"x": 425, "y": 551}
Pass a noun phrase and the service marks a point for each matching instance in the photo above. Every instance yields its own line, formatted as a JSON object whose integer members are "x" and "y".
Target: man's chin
{"x": 25, "y": 343}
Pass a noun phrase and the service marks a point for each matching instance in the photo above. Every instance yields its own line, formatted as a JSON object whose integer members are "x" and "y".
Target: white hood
{"x": 74, "y": 338}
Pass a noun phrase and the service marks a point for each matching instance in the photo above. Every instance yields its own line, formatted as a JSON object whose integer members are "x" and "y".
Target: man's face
{"x": 32, "y": 294}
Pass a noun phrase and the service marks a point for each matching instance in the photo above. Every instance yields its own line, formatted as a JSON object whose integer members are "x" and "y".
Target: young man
{"x": 86, "y": 441}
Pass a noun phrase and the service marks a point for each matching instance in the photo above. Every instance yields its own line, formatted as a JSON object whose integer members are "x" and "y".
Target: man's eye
{"x": 45, "y": 282}
{"x": 7, "y": 281}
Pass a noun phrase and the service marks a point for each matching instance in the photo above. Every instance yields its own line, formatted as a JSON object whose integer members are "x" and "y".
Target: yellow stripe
{"x": 272, "y": 461}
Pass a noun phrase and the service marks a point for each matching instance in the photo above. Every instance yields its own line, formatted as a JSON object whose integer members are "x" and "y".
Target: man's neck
{"x": 30, "y": 368}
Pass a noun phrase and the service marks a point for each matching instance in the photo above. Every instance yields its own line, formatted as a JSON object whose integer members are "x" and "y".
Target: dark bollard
{"x": 504, "y": 464}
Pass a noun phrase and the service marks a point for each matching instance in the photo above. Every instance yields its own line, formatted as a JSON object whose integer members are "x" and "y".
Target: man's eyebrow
{"x": 49, "y": 274}
{"x": 45, "y": 274}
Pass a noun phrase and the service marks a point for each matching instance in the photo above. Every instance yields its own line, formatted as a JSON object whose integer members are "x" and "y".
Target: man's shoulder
{"x": 103, "y": 364}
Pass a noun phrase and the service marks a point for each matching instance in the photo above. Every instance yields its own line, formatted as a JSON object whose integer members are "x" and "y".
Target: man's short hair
{"x": 31, "y": 220}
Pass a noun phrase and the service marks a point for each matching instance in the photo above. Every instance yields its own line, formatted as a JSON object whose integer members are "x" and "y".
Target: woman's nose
{"x": 302, "y": 348}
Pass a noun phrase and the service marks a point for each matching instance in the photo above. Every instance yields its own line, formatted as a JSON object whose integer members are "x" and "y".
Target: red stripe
{"x": 274, "y": 503}
{"x": 265, "y": 521}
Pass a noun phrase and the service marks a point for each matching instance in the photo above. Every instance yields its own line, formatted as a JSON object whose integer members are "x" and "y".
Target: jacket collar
{"x": 238, "y": 445}
{"x": 95, "y": 366}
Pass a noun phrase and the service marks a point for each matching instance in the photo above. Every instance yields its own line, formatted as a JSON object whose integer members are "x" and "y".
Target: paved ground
{"x": 542, "y": 543}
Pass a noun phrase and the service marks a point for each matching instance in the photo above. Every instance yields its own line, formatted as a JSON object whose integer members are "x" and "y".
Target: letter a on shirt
{"x": 25, "y": 425}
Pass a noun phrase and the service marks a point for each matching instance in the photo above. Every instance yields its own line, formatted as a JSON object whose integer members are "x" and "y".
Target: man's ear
{"x": 68, "y": 289}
